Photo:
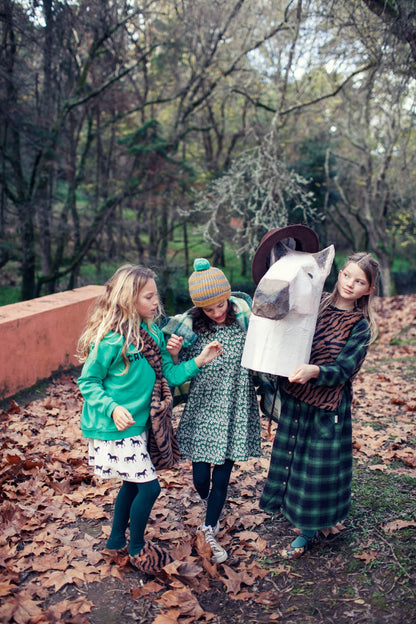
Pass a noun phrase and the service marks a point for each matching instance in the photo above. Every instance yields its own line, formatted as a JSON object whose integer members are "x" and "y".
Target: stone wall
{"x": 39, "y": 337}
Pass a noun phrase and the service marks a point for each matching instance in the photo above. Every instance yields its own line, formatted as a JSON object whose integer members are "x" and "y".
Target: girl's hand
{"x": 208, "y": 353}
{"x": 122, "y": 418}
{"x": 304, "y": 373}
{"x": 174, "y": 344}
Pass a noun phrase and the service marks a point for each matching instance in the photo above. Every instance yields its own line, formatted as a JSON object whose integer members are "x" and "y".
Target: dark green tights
{"x": 133, "y": 504}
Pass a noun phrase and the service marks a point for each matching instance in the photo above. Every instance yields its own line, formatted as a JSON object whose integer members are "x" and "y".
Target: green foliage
{"x": 146, "y": 139}
{"x": 405, "y": 227}
{"x": 108, "y": 142}
{"x": 311, "y": 154}
{"x": 10, "y": 294}
{"x": 394, "y": 504}
{"x": 175, "y": 287}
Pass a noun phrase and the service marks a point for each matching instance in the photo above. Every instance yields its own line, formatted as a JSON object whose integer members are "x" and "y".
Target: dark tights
{"x": 212, "y": 486}
{"x": 133, "y": 504}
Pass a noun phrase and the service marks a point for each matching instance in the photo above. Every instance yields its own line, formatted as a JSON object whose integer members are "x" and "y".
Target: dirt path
{"x": 55, "y": 517}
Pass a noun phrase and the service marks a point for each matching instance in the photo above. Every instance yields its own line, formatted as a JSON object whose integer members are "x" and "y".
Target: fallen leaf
{"x": 171, "y": 617}
{"x": 184, "y": 600}
{"x": 7, "y": 587}
{"x": 334, "y": 530}
{"x": 396, "y": 525}
{"x": 153, "y": 587}
{"x": 22, "y": 608}
{"x": 368, "y": 556}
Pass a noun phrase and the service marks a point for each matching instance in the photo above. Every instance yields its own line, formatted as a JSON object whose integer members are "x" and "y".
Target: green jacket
{"x": 104, "y": 387}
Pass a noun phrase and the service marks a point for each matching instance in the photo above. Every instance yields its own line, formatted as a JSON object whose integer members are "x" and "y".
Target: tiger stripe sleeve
{"x": 349, "y": 360}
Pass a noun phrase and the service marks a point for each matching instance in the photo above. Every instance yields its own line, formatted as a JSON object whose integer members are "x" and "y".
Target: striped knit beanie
{"x": 207, "y": 285}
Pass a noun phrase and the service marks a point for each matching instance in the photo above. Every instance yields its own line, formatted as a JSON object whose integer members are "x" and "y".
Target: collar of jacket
{"x": 181, "y": 324}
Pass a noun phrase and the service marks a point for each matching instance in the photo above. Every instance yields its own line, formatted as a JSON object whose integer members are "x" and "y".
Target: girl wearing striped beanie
{"x": 208, "y": 285}
{"x": 220, "y": 423}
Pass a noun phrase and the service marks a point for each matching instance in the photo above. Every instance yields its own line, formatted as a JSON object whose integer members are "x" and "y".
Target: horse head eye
{"x": 310, "y": 275}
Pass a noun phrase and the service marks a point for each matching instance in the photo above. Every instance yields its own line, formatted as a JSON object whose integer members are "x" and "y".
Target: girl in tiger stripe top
{"x": 310, "y": 471}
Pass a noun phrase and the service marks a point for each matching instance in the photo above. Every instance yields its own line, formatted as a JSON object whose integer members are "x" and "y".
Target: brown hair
{"x": 370, "y": 266}
{"x": 202, "y": 323}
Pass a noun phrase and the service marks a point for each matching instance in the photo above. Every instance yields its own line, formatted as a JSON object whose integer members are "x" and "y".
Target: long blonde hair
{"x": 116, "y": 310}
{"x": 370, "y": 266}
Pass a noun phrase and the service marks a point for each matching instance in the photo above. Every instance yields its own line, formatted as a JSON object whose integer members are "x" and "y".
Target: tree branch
{"x": 311, "y": 102}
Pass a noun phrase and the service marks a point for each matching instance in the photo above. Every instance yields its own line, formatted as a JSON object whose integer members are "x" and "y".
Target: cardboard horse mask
{"x": 285, "y": 309}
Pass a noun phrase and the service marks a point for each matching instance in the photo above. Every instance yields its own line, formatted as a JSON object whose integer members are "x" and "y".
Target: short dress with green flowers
{"x": 221, "y": 418}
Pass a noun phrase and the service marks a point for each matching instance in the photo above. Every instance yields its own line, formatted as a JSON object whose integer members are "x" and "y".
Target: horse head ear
{"x": 324, "y": 259}
{"x": 278, "y": 251}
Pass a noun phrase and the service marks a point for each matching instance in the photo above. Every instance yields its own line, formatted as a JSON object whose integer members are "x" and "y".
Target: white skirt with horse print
{"x": 127, "y": 459}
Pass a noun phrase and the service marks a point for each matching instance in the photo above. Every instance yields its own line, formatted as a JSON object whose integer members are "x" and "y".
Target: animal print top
{"x": 332, "y": 331}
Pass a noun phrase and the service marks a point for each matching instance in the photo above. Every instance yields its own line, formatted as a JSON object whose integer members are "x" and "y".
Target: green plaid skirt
{"x": 310, "y": 472}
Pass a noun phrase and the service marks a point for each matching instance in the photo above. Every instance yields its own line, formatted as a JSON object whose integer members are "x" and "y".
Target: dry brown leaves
{"x": 385, "y": 390}
{"x": 48, "y": 493}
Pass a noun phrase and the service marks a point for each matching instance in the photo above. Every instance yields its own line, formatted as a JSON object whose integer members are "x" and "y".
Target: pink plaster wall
{"x": 39, "y": 337}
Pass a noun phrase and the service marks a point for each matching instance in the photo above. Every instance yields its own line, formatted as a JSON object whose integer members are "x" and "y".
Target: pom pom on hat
{"x": 201, "y": 264}
{"x": 207, "y": 285}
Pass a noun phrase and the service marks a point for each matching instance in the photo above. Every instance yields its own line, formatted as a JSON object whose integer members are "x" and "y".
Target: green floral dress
{"x": 221, "y": 418}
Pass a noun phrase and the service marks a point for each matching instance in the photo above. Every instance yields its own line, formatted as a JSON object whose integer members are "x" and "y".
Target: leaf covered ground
{"x": 55, "y": 517}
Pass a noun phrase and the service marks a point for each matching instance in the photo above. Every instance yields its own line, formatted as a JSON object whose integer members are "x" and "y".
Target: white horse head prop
{"x": 285, "y": 309}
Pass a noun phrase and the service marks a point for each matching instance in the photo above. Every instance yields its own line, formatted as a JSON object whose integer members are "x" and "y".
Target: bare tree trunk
{"x": 386, "y": 279}
{"x": 27, "y": 237}
{"x": 163, "y": 230}
{"x": 219, "y": 256}
{"x": 43, "y": 194}
{"x": 244, "y": 264}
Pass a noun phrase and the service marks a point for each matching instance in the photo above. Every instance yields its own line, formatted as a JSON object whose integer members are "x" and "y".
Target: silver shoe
{"x": 219, "y": 554}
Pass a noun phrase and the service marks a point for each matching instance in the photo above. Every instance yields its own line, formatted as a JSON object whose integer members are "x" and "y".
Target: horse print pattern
{"x": 126, "y": 459}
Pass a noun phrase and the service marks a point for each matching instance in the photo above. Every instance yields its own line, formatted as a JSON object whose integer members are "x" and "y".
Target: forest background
{"x": 153, "y": 131}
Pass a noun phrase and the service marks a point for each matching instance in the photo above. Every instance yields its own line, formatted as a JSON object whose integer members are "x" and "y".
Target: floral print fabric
{"x": 221, "y": 418}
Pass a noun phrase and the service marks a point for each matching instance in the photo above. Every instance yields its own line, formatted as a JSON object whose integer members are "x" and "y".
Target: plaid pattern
{"x": 310, "y": 470}
{"x": 181, "y": 324}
